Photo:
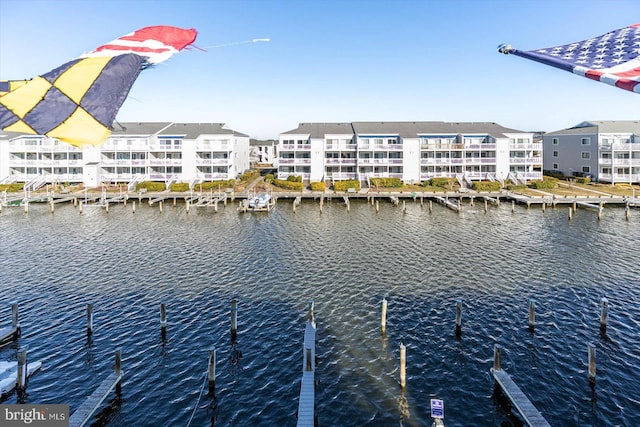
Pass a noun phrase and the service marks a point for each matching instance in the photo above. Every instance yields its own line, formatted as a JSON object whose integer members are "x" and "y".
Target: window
{"x": 586, "y": 141}
{"x": 586, "y": 169}
{"x": 586, "y": 155}
{"x": 555, "y": 141}
{"x": 555, "y": 166}
{"x": 555, "y": 154}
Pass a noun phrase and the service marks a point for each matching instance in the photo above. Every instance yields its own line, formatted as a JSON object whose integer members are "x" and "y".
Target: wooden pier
{"x": 306, "y": 404}
{"x": 12, "y": 332}
{"x": 530, "y": 415}
{"x": 85, "y": 412}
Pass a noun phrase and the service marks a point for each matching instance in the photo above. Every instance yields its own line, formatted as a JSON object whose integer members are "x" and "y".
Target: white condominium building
{"x": 608, "y": 151}
{"x": 165, "y": 152}
{"x": 411, "y": 151}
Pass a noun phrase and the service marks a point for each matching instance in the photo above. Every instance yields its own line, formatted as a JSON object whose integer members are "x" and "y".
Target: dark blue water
{"x": 127, "y": 264}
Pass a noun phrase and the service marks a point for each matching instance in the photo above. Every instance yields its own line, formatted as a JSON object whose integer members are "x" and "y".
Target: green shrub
{"x": 215, "y": 185}
{"x": 318, "y": 186}
{"x": 294, "y": 178}
{"x": 288, "y": 185}
{"x": 441, "y": 182}
{"x": 583, "y": 180}
{"x": 487, "y": 186}
{"x": 12, "y": 188}
{"x": 152, "y": 186}
{"x": 547, "y": 183}
{"x": 179, "y": 187}
{"x": 268, "y": 178}
{"x": 250, "y": 175}
{"x": 344, "y": 185}
{"x": 387, "y": 182}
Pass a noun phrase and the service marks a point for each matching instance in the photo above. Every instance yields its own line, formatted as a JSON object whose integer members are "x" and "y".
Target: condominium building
{"x": 411, "y": 151}
{"x": 607, "y": 151}
{"x": 154, "y": 151}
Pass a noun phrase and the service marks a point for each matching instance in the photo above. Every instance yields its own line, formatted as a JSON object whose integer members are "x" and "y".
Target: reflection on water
{"x": 127, "y": 264}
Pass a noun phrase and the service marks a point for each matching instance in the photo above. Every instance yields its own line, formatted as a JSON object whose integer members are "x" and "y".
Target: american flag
{"x": 613, "y": 58}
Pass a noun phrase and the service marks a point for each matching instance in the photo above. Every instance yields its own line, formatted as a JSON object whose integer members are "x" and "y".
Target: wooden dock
{"x": 10, "y": 333}
{"x": 85, "y": 412}
{"x": 9, "y": 375}
{"x": 530, "y": 415}
{"x": 306, "y": 404}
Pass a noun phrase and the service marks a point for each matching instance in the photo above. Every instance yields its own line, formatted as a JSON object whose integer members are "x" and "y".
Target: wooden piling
{"x": 133, "y": 206}
{"x": 117, "y": 367}
{"x": 403, "y": 365}
{"x": 80, "y": 208}
{"x": 626, "y": 212}
{"x": 570, "y": 213}
{"x": 575, "y": 205}
{"x": 458, "y": 317}
{"x": 26, "y": 205}
{"x": 486, "y": 207}
{"x": 234, "y": 320}
{"x": 430, "y": 206}
{"x": 160, "y": 206}
{"x": 174, "y": 202}
{"x": 15, "y": 323}
{"x": 311, "y": 308}
{"x": 497, "y": 350}
{"x": 544, "y": 207}
{"x": 51, "y": 206}
{"x": 383, "y": 319}
{"x": 106, "y": 207}
{"x": 21, "y": 377}
{"x": 404, "y": 206}
{"x": 513, "y": 206}
{"x": 211, "y": 372}
{"x": 377, "y": 206}
{"x": 532, "y": 315}
{"x": 592, "y": 363}
{"x": 187, "y": 206}
{"x": 89, "y": 319}
{"x": 600, "y": 213}
{"x": 603, "y": 314}
{"x": 163, "y": 320}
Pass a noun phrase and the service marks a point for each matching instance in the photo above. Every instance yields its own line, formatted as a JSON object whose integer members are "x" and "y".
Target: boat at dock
{"x": 262, "y": 202}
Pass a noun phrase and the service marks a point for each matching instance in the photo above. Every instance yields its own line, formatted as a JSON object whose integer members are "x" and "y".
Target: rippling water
{"x": 127, "y": 264}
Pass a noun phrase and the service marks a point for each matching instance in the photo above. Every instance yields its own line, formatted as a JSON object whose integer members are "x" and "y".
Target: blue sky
{"x": 336, "y": 61}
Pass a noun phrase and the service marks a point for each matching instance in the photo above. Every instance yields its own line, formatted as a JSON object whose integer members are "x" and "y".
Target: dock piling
{"x": 234, "y": 320}
{"x": 21, "y": 377}
{"x": 15, "y": 323}
{"x": 497, "y": 357}
{"x": 163, "y": 320}
{"x": 89, "y": 319}
{"x": 118, "y": 370}
{"x": 403, "y": 365}
{"x": 570, "y": 213}
{"x": 383, "y": 320}
{"x": 603, "y": 314}
{"x": 211, "y": 372}
{"x": 532, "y": 315}
{"x": 458, "y": 317}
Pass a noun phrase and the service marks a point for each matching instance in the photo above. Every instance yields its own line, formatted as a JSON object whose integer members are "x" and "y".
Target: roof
{"x": 137, "y": 128}
{"x": 413, "y": 129}
{"x": 601, "y": 126}
{"x": 193, "y": 130}
{"x": 319, "y": 130}
{"x": 186, "y": 130}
